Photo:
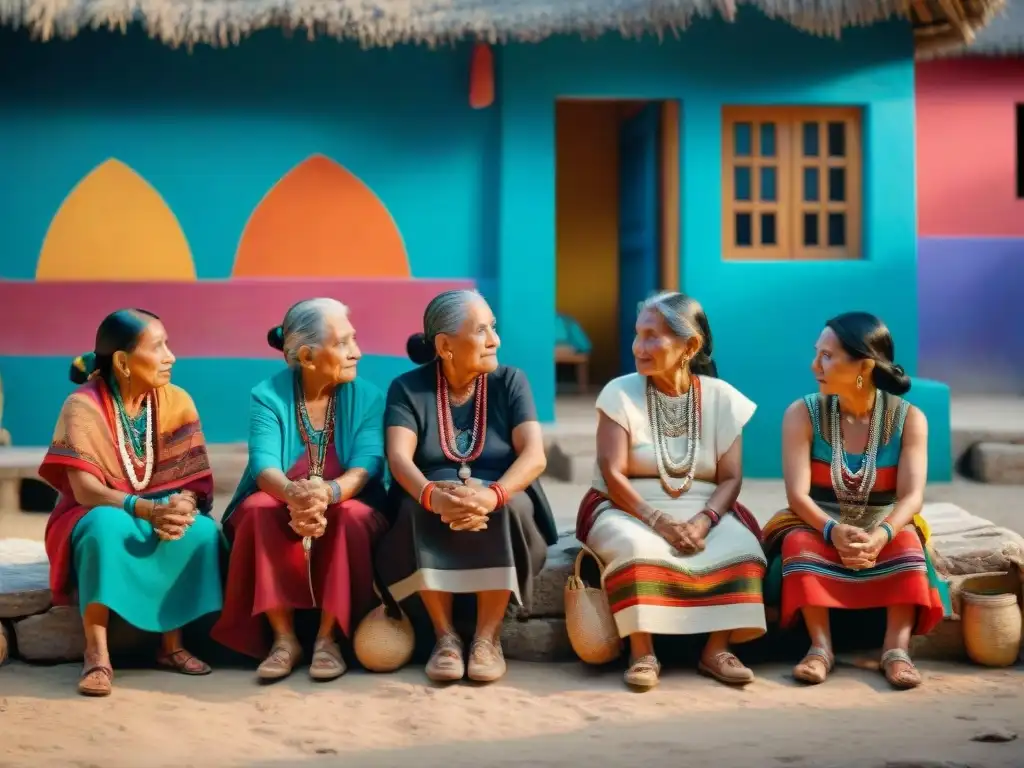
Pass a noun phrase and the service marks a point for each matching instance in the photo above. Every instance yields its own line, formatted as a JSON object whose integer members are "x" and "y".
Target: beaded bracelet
{"x": 425, "y": 494}
{"x": 501, "y": 493}
{"x": 711, "y": 515}
{"x": 890, "y": 532}
{"x": 335, "y": 488}
{"x": 826, "y": 532}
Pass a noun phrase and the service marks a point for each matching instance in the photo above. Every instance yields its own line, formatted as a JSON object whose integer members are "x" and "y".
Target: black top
{"x": 412, "y": 403}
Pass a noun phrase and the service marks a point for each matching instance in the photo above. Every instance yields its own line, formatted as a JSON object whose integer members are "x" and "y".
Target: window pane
{"x": 837, "y": 139}
{"x": 837, "y": 229}
{"x": 741, "y": 183}
{"x": 811, "y": 193}
{"x": 810, "y": 229}
{"x": 811, "y": 148}
{"x": 766, "y": 148}
{"x": 766, "y": 189}
{"x": 837, "y": 184}
{"x": 768, "y": 229}
{"x": 742, "y": 139}
{"x": 744, "y": 229}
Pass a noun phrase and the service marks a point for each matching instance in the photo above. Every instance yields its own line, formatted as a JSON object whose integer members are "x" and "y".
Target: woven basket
{"x": 383, "y": 644}
{"x": 991, "y": 623}
{"x": 588, "y": 617}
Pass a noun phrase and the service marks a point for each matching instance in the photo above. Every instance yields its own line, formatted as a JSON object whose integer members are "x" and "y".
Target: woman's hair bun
{"x": 419, "y": 350}
{"x": 82, "y": 368}
{"x": 890, "y": 378}
{"x": 275, "y": 338}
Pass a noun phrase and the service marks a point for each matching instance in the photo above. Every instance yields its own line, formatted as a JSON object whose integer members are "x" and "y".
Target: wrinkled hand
{"x": 692, "y": 534}
{"x": 307, "y": 507}
{"x": 172, "y": 518}
{"x": 849, "y": 540}
{"x": 461, "y": 506}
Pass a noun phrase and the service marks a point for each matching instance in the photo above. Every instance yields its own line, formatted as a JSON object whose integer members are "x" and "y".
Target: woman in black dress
{"x": 465, "y": 450}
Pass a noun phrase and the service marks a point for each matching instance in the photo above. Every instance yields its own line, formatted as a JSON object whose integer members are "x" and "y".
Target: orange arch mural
{"x": 115, "y": 226}
{"x": 320, "y": 220}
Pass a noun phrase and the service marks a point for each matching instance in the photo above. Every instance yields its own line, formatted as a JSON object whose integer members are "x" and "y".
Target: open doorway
{"x": 617, "y": 181}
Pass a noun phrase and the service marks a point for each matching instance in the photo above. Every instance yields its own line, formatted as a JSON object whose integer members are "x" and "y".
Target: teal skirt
{"x": 155, "y": 585}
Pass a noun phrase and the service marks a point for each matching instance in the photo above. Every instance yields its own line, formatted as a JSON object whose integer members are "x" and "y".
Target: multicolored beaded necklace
{"x": 316, "y": 442}
{"x": 449, "y": 436}
{"x": 137, "y": 451}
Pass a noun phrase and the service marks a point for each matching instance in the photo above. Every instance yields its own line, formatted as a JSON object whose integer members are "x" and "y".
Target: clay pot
{"x": 991, "y": 621}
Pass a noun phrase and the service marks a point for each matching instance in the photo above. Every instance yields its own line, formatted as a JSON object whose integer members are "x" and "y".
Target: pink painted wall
{"x": 965, "y": 148}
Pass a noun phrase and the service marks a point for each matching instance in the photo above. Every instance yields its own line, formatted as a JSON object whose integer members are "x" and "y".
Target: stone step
{"x": 571, "y": 458}
{"x": 996, "y": 462}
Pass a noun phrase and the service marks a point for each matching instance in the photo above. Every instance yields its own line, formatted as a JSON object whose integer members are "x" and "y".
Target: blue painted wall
{"x": 473, "y": 192}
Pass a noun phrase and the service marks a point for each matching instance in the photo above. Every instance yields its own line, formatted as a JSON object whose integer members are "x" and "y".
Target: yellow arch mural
{"x": 114, "y": 226}
{"x": 321, "y": 220}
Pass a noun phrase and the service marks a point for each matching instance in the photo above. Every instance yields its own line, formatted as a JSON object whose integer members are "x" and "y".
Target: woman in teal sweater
{"x": 304, "y": 519}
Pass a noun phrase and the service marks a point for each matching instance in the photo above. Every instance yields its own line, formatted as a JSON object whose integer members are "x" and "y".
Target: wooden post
{"x": 670, "y": 191}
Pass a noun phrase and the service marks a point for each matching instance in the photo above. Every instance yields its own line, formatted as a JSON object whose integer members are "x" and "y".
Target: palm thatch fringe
{"x": 375, "y": 23}
{"x": 1003, "y": 36}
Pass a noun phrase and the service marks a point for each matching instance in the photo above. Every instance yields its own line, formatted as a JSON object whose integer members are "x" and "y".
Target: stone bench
{"x": 17, "y": 464}
{"x": 965, "y": 545}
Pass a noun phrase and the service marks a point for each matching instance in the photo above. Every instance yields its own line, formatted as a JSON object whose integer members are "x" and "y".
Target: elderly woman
{"x": 129, "y": 461}
{"x": 465, "y": 449}
{"x": 303, "y": 522}
{"x": 855, "y": 461}
{"x": 681, "y": 556}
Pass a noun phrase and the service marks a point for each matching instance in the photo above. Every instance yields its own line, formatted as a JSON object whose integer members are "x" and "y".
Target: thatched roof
{"x": 1004, "y": 36}
{"x": 432, "y": 22}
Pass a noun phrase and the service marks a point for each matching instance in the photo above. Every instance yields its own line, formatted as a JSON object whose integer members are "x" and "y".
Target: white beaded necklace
{"x": 147, "y": 440}
{"x": 659, "y": 405}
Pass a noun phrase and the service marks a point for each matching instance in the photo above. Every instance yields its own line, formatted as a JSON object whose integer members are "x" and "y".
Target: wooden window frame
{"x": 789, "y": 205}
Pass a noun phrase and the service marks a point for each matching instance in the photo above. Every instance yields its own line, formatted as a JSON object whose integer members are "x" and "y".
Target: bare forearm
{"x": 723, "y": 499}
{"x": 804, "y": 507}
{"x": 625, "y": 497}
{"x": 904, "y": 511}
{"x": 527, "y": 467}
{"x": 273, "y": 482}
{"x": 408, "y": 475}
{"x": 110, "y": 497}
{"x": 351, "y": 483}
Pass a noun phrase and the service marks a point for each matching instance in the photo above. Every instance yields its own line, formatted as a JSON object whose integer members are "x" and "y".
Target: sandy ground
{"x": 540, "y": 715}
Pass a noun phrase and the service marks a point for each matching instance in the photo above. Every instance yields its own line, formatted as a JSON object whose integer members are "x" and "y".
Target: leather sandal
{"x": 905, "y": 678}
{"x": 726, "y": 668}
{"x": 284, "y": 655}
{"x": 486, "y": 661}
{"x": 643, "y": 672}
{"x": 96, "y": 680}
{"x": 327, "y": 663}
{"x": 183, "y": 662}
{"x": 815, "y": 666}
{"x": 446, "y": 663}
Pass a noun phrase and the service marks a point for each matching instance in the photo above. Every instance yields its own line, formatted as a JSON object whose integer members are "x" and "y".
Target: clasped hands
{"x": 858, "y": 549}
{"x": 170, "y": 519}
{"x": 307, "y": 502}
{"x": 463, "y": 506}
{"x": 687, "y": 538}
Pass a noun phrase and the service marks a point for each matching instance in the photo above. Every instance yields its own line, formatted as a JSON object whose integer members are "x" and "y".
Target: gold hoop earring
{"x": 860, "y": 382}
{"x": 450, "y": 356}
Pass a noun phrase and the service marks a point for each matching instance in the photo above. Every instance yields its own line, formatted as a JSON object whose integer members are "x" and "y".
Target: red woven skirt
{"x": 267, "y": 569}
{"x": 813, "y": 575}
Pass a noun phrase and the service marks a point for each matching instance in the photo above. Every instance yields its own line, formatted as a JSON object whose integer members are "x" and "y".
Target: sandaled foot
{"x": 283, "y": 657}
{"x": 726, "y": 668}
{"x": 643, "y": 672}
{"x": 183, "y": 662}
{"x": 96, "y": 680}
{"x": 327, "y": 663}
{"x": 486, "y": 661}
{"x": 446, "y": 663}
{"x": 814, "y": 667}
{"x": 899, "y": 670}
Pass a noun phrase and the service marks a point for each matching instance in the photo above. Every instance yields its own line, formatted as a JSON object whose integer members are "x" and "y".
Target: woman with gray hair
{"x": 465, "y": 450}
{"x": 303, "y": 521}
{"x": 681, "y": 556}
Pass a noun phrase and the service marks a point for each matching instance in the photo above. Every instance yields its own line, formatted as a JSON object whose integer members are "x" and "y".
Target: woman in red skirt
{"x": 855, "y": 461}
{"x": 303, "y": 521}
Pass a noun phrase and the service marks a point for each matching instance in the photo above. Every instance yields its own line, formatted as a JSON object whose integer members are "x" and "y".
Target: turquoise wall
{"x": 472, "y": 191}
